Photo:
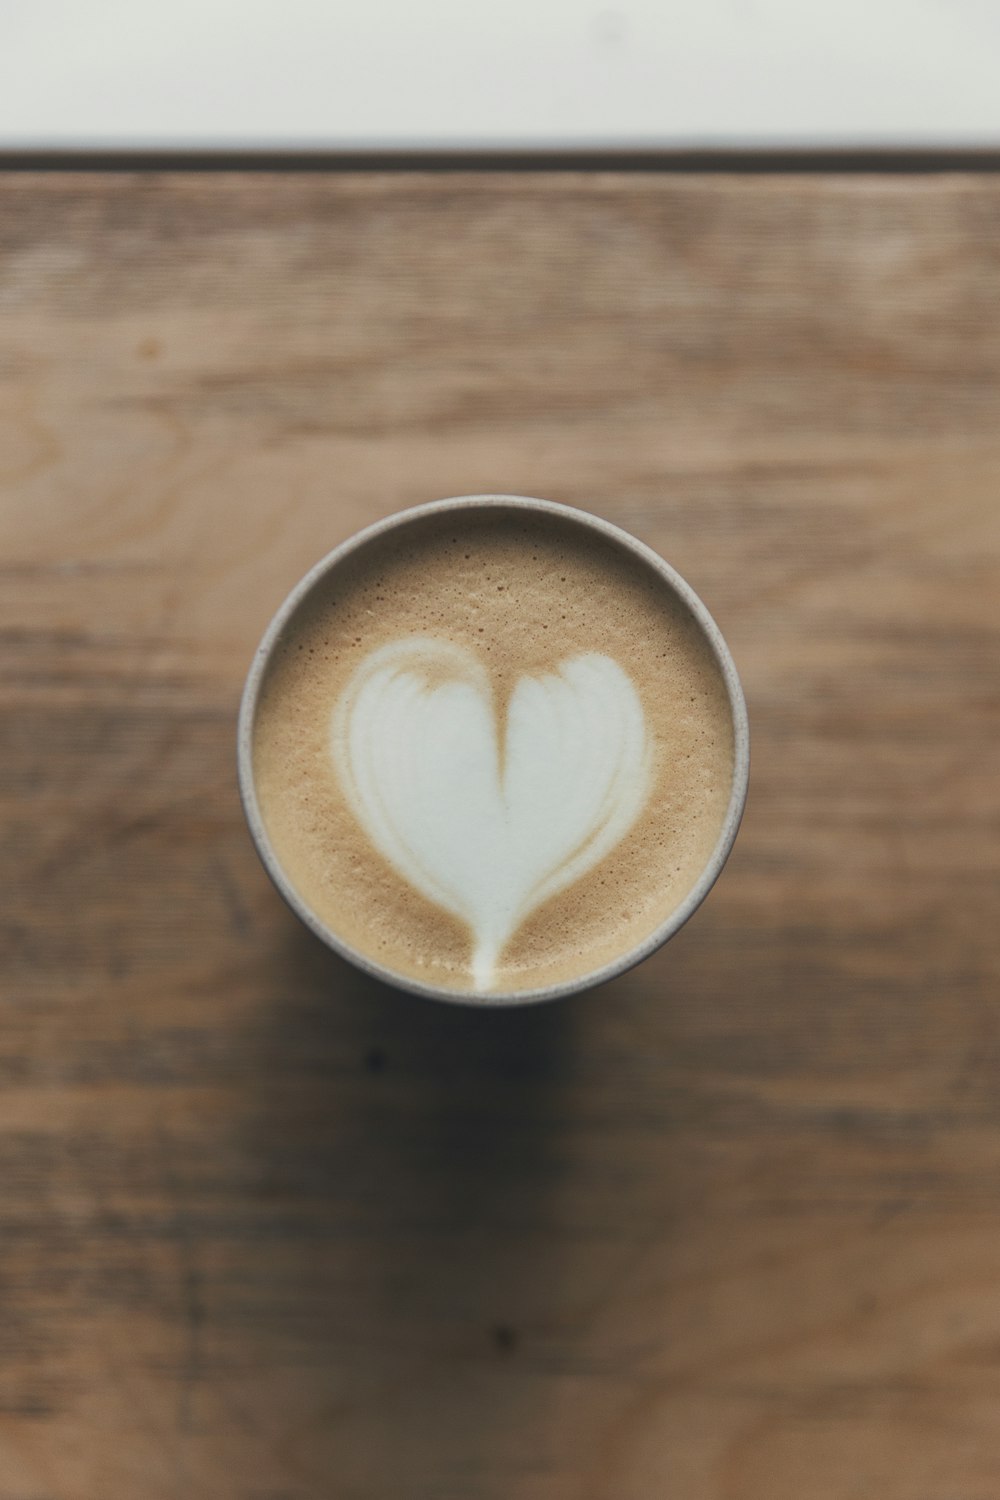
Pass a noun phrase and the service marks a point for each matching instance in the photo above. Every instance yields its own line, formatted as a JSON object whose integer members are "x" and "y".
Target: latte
{"x": 492, "y": 750}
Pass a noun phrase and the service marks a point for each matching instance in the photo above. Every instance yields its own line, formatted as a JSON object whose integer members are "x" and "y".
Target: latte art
{"x": 492, "y": 751}
{"x": 485, "y": 819}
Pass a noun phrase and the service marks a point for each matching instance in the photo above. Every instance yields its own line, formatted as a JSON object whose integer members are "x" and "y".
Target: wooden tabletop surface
{"x": 726, "y": 1229}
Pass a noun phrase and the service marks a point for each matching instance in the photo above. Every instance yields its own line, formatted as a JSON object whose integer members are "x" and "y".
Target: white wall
{"x": 384, "y": 72}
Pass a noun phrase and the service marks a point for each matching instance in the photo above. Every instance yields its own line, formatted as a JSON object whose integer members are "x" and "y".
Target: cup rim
{"x": 741, "y": 750}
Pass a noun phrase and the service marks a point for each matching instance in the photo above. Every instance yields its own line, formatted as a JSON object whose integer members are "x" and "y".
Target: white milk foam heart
{"x": 489, "y": 830}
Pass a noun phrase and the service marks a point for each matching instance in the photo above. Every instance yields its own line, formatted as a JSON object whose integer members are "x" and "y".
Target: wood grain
{"x": 728, "y": 1229}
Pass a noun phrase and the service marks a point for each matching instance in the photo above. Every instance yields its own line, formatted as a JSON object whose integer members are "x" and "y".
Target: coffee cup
{"x": 493, "y": 750}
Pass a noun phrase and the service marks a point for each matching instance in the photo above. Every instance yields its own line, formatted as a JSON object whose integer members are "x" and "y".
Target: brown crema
{"x": 524, "y": 590}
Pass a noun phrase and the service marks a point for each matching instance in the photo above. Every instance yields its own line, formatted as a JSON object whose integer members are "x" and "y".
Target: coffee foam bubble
{"x": 493, "y": 750}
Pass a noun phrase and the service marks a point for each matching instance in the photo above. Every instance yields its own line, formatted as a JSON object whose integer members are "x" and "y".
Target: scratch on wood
{"x": 236, "y": 907}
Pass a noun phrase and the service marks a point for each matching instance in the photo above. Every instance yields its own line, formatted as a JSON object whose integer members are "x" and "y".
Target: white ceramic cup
{"x": 670, "y": 581}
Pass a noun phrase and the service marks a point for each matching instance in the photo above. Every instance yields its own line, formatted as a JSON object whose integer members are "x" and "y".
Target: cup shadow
{"x": 411, "y": 1157}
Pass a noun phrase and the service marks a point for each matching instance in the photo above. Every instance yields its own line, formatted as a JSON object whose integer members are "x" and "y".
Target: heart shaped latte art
{"x": 489, "y": 826}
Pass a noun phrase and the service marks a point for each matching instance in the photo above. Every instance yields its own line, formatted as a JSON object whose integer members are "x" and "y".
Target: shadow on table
{"x": 411, "y": 1162}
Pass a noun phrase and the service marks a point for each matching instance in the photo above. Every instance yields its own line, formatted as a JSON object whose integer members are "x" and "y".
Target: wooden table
{"x": 727, "y": 1229}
